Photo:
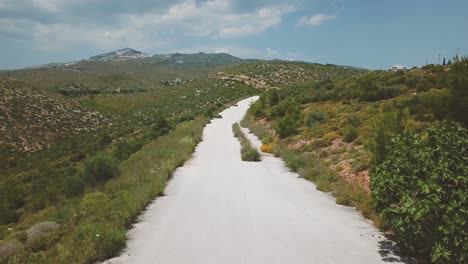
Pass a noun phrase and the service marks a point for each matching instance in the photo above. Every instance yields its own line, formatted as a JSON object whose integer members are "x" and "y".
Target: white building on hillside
{"x": 399, "y": 68}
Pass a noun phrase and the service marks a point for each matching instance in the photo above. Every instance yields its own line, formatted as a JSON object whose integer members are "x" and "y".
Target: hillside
{"x": 384, "y": 143}
{"x": 126, "y": 70}
{"x": 108, "y": 126}
{"x": 31, "y": 120}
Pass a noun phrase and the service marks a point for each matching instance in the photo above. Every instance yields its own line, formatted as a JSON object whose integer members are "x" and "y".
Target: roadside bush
{"x": 95, "y": 206}
{"x": 257, "y": 110}
{"x": 126, "y": 148}
{"x": 293, "y": 160}
{"x": 420, "y": 191}
{"x": 100, "y": 168}
{"x": 187, "y": 117}
{"x": 268, "y": 148}
{"x": 248, "y": 153}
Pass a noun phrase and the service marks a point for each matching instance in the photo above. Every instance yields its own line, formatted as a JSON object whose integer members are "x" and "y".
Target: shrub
{"x": 74, "y": 185}
{"x": 267, "y": 139}
{"x": 79, "y": 156}
{"x": 187, "y": 117}
{"x": 286, "y": 107}
{"x": 95, "y": 206}
{"x": 420, "y": 191}
{"x": 248, "y": 153}
{"x": 330, "y": 136}
{"x": 105, "y": 139}
{"x": 268, "y": 148}
{"x": 256, "y": 110}
{"x": 100, "y": 168}
{"x": 315, "y": 118}
{"x": 385, "y": 125}
{"x": 8, "y": 214}
{"x": 350, "y": 133}
{"x": 286, "y": 126}
{"x": 160, "y": 128}
{"x": 125, "y": 149}
{"x": 293, "y": 160}
{"x": 40, "y": 230}
{"x": 459, "y": 90}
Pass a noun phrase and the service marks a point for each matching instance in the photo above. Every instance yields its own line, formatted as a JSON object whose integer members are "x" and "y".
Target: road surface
{"x": 221, "y": 210}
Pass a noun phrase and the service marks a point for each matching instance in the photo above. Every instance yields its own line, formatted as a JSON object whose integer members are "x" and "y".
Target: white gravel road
{"x": 220, "y": 210}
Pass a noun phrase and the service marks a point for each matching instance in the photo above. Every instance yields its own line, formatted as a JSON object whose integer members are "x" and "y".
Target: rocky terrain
{"x": 30, "y": 120}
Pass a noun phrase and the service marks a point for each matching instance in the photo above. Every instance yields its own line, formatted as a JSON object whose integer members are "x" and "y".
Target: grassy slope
{"x": 109, "y": 210}
{"x": 37, "y": 189}
{"x": 330, "y": 145}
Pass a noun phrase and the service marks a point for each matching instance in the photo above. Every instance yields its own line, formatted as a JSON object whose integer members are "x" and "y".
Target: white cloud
{"x": 315, "y": 20}
{"x": 272, "y": 54}
{"x": 215, "y": 19}
{"x": 57, "y": 24}
{"x": 292, "y": 56}
{"x": 47, "y": 5}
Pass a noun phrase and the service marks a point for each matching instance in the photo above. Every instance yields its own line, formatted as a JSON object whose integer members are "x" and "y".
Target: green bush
{"x": 292, "y": 159}
{"x": 459, "y": 90}
{"x": 286, "y": 107}
{"x": 74, "y": 185}
{"x": 384, "y": 126}
{"x": 286, "y": 126}
{"x": 315, "y": 118}
{"x": 248, "y": 153}
{"x": 126, "y": 148}
{"x": 420, "y": 191}
{"x": 257, "y": 110}
{"x": 105, "y": 139}
{"x": 350, "y": 133}
{"x": 100, "y": 168}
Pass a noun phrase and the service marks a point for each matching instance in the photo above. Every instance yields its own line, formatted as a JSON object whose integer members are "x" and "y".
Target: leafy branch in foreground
{"x": 420, "y": 191}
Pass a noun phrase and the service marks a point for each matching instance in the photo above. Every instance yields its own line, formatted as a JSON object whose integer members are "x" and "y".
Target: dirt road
{"x": 220, "y": 210}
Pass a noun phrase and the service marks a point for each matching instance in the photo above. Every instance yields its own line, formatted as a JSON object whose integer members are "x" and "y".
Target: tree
{"x": 286, "y": 126}
{"x": 420, "y": 191}
{"x": 443, "y": 63}
{"x": 386, "y": 125}
{"x": 459, "y": 90}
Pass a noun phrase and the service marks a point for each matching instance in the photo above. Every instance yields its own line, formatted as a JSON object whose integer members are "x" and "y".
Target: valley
{"x": 129, "y": 141}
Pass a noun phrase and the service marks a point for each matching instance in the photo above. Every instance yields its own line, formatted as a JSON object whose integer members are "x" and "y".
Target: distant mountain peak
{"x": 120, "y": 55}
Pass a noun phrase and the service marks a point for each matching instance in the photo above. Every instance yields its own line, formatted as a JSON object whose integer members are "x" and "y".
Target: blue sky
{"x": 369, "y": 34}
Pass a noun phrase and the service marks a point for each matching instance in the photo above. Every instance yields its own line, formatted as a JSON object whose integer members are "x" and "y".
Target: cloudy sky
{"x": 365, "y": 33}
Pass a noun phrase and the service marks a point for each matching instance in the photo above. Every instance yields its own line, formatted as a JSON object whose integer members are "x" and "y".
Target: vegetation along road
{"x": 220, "y": 209}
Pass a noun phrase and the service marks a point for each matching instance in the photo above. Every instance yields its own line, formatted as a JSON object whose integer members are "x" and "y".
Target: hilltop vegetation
{"x": 108, "y": 149}
{"x": 110, "y": 72}
{"x": 105, "y": 152}
{"x": 32, "y": 120}
{"x": 376, "y": 141}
